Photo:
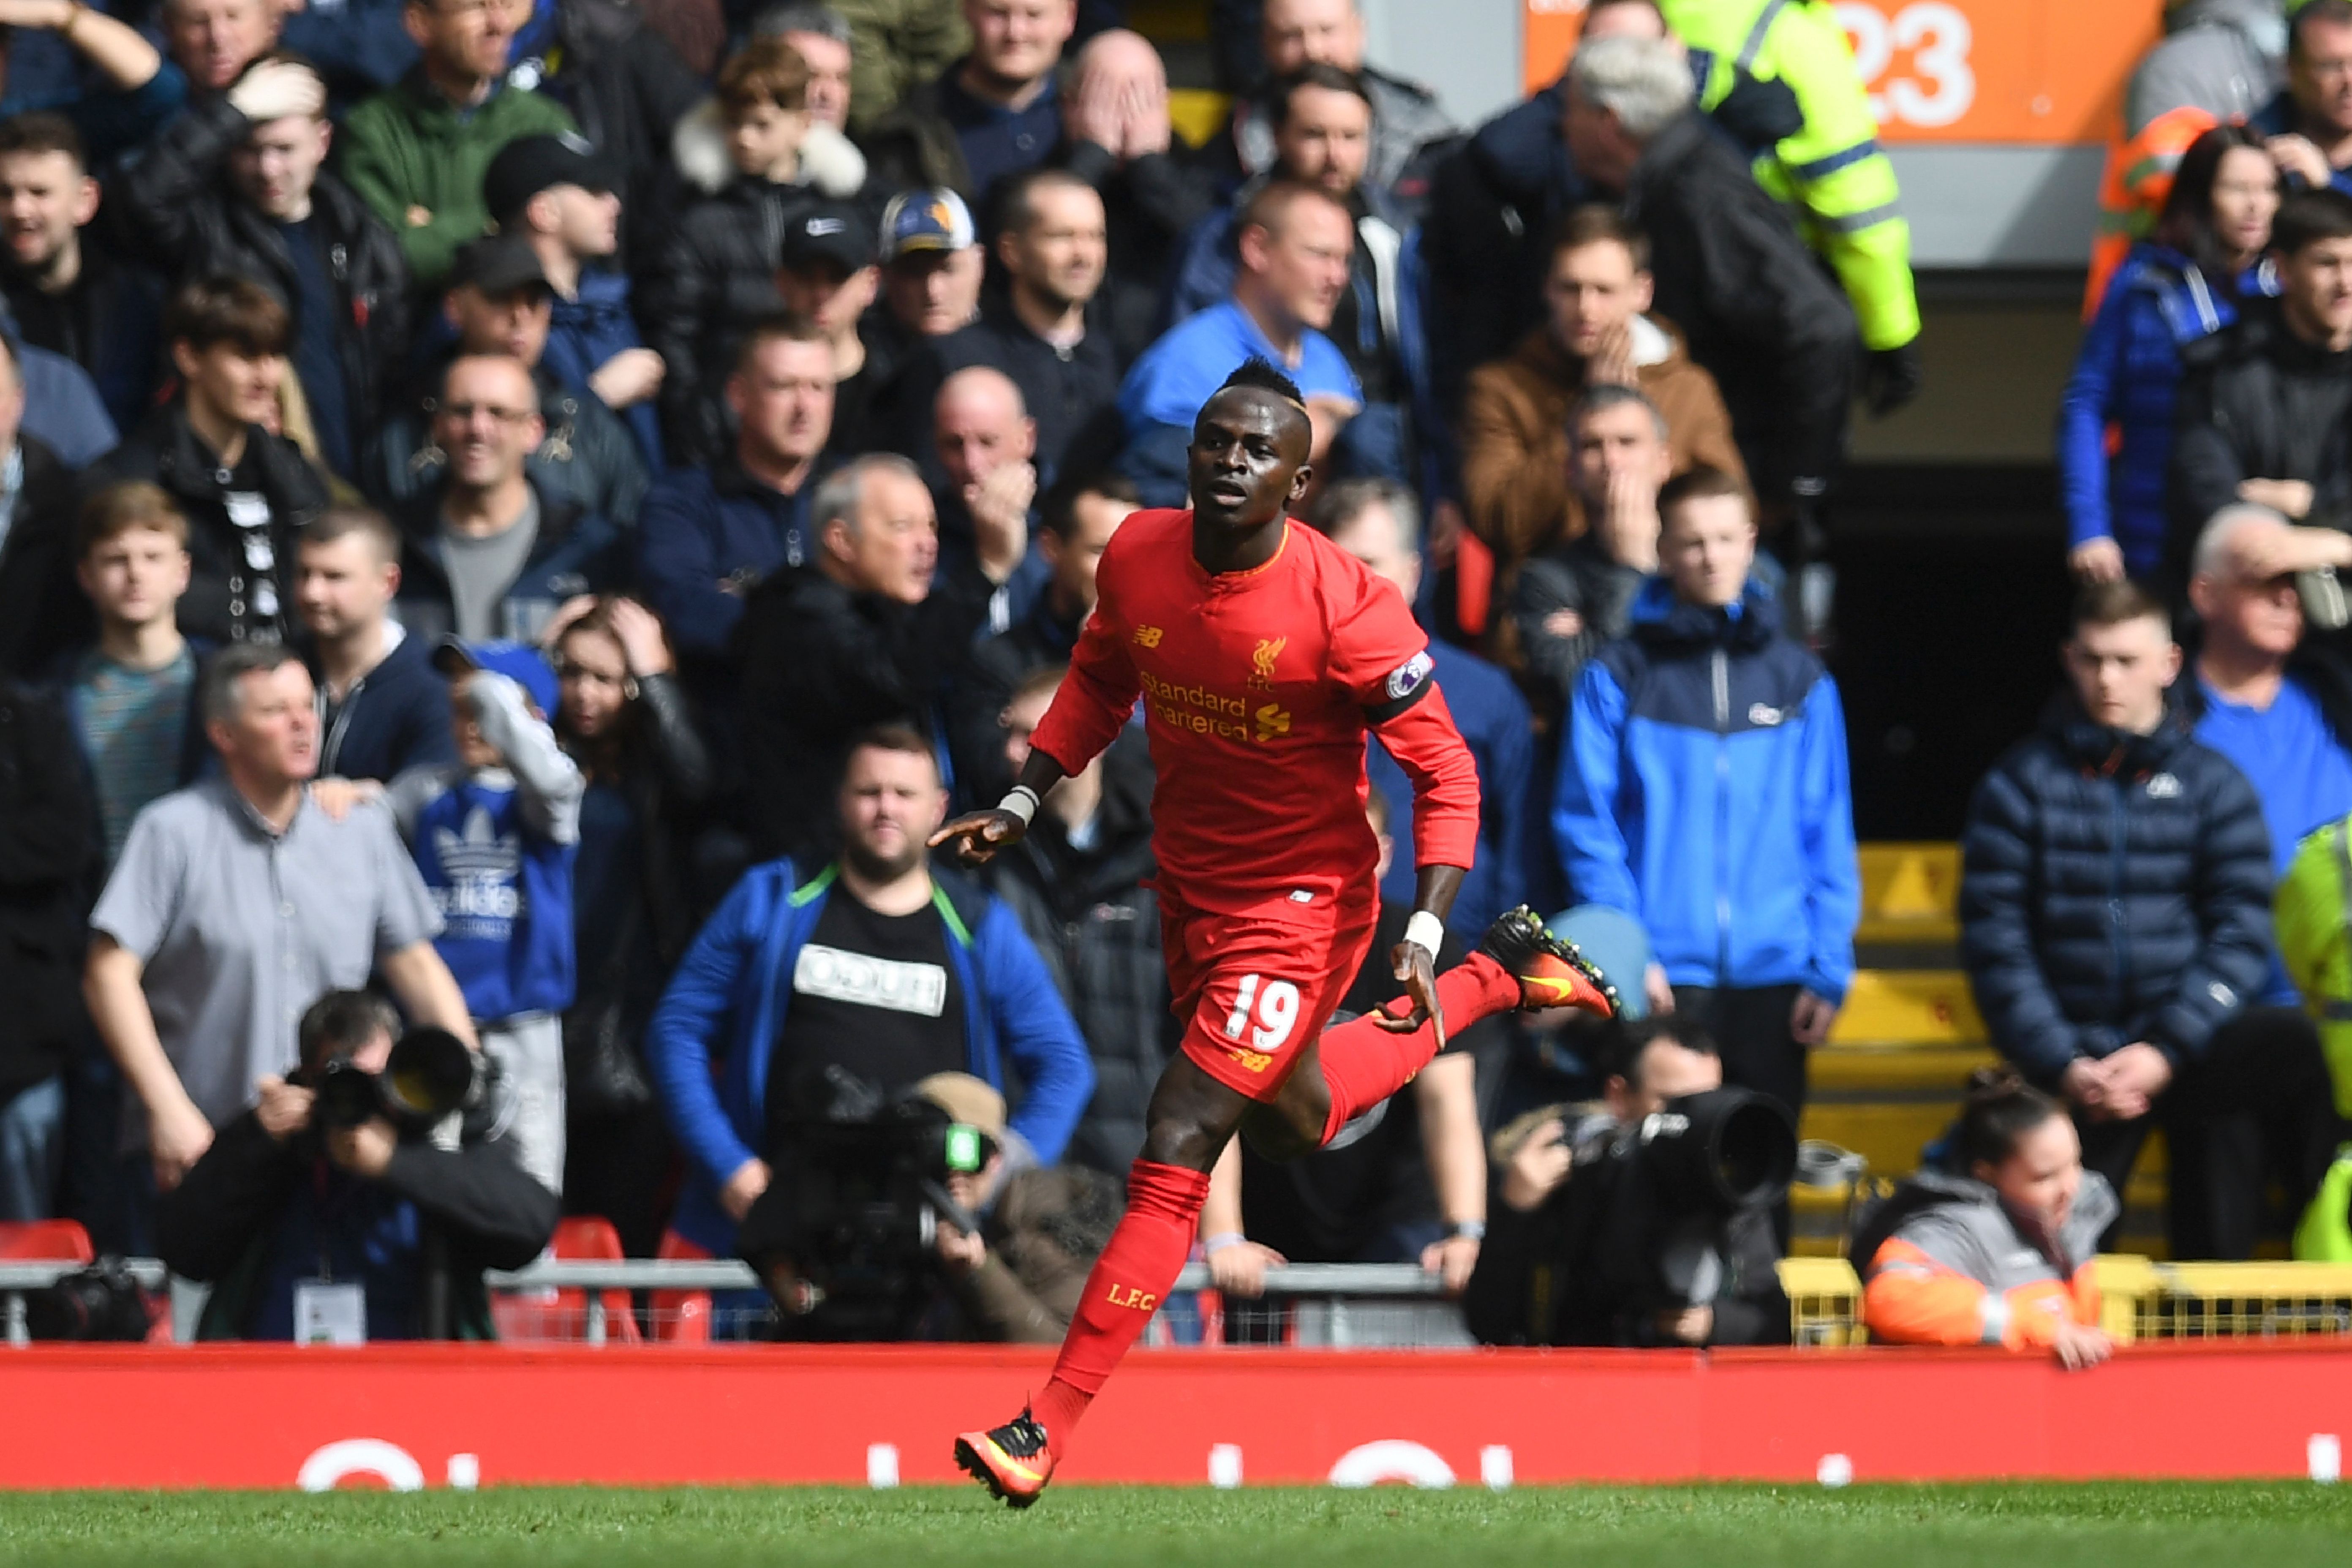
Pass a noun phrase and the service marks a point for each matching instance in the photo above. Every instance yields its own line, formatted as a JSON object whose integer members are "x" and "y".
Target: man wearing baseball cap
{"x": 931, "y": 262}
{"x": 555, "y": 195}
{"x": 827, "y": 274}
{"x": 494, "y": 835}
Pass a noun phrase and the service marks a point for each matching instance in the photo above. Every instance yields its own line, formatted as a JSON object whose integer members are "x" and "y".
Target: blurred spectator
{"x": 1495, "y": 203}
{"x": 62, "y": 406}
{"x": 1731, "y": 271}
{"x": 1403, "y": 1182}
{"x": 1296, "y": 34}
{"x": 1708, "y": 738}
{"x": 382, "y": 709}
{"x": 82, "y": 302}
{"x": 1079, "y": 883}
{"x": 417, "y": 152}
{"x": 1377, "y": 522}
{"x": 892, "y": 47}
{"x": 492, "y": 550}
{"x": 868, "y": 632}
{"x": 197, "y": 1000}
{"x": 114, "y": 87}
{"x": 40, "y": 614}
{"x": 49, "y": 853}
{"x": 361, "y": 46}
{"x": 237, "y": 186}
{"x": 246, "y": 492}
{"x": 708, "y": 535}
{"x": 716, "y": 274}
{"x": 624, "y": 721}
{"x": 2309, "y": 126}
{"x": 1293, "y": 247}
{"x": 2262, "y": 404}
{"x": 987, "y": 445}
{"x": 213, "y": 41}
{"x": 1572, "y": 599}
{"x": 1543, "y": 1276}
{"x": 821, "y": 36}
{"x": 1825, "y": 162}
{"x": 931, "y": 267}
{"x": 2179, "y": 286}
{"x": 555, "y": 195}
{"x": 994, "y": 112}
{"x": 2115, "y": 899}
{"x": 132, "y": 696}
{"x": 500, "y": 303}
{"x": 1321, "y": 115}
{"x": 875, "y": 966}
{"x": 2223, "y": 57}
{"x": 1999, "y": 1249}
{"x": 1520, "y": 479}
{"x": 1043, "y": 328}
{"x": 494, "y": 833}
{"x": 1075, "y": 522}
{"x": 283, "y": 1202}
{"x": 828, "y": 274}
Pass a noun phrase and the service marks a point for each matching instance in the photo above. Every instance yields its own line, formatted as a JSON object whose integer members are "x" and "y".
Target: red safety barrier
{"x": 409, "y": 1416}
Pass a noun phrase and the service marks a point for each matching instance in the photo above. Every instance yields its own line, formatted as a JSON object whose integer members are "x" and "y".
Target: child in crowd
{"x": 495, "y": 834}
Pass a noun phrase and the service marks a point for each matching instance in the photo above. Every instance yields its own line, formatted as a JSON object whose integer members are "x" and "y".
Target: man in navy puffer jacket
{"x": 2114, "y": 913}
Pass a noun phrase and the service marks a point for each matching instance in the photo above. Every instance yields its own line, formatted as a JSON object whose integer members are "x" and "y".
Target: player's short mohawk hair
{"x": 1261, "y": 373}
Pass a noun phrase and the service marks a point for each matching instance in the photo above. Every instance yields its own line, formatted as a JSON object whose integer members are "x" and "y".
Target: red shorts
{"x": 1255, "y": 987}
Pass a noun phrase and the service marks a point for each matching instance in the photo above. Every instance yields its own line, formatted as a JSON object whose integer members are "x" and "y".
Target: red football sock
{"x": 1129, "y": 1283}
{"x": 1364, "y": 1064}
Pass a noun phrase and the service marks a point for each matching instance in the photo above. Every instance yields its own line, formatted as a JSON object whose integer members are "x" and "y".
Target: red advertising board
{"x": 436, "y": 1416}
{"x": 1955, "y": 70}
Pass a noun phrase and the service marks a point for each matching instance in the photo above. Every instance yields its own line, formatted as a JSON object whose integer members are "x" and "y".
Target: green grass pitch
{"x": 2037, "y": 1526}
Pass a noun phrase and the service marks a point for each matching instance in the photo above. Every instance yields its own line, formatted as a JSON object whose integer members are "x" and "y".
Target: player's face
{"x": 1248, "y": 457}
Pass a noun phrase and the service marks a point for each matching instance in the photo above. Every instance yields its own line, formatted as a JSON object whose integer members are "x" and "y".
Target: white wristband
{"x": 1212, "y": 1245}
{"x": 1019, "y": 801}
{"x": 1425, "y": 932}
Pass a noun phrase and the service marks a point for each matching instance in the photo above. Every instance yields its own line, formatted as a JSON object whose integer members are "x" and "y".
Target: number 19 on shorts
{"x": 1267, "y": 1009}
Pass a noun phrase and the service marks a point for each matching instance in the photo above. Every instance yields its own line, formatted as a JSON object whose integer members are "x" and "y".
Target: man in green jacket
{"x": 416, "y": 152}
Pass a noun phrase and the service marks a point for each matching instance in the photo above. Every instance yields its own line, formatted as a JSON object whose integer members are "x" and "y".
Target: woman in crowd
{"x": 2000, "y": 1254}
{"x": 624, "y": 720}
{"x": 2185, "y": 282}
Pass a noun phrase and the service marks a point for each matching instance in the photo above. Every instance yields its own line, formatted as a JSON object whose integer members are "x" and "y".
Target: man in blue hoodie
{"x": 1703, "y": 790}
{"x": 878, "y": 967}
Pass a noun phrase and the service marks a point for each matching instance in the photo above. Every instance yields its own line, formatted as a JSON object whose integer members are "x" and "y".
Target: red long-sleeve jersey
{"x": 1258, "y": 688}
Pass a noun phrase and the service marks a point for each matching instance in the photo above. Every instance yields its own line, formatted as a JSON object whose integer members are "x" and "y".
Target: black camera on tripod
{"x": 846, "y": 1234}
{"x": 430, "y": 1073}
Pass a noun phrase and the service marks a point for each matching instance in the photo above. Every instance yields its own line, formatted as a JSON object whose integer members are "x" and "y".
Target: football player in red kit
{"x": 1262, "y": 654}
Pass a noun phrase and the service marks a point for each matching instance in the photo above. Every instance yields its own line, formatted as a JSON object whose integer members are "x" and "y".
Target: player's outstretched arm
{"x": 1416, "y": 957}
{"x": 974, "y": 838}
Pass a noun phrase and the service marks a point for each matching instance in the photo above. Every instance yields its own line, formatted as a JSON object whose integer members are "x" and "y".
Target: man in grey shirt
{"x": 236, "y": 902}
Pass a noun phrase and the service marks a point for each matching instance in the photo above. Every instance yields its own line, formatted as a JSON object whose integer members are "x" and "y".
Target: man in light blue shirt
{"x": 1294, "y": 245}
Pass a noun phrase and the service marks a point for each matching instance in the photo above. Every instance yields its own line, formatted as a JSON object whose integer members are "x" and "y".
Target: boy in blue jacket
{"x": 876, "y": 967}
{"x": 1703, "y": 790}
{"x": 494, "y": 835}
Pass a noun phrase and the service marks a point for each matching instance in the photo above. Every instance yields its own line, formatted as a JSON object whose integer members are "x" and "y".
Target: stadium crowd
{"x": 535, "y": 509}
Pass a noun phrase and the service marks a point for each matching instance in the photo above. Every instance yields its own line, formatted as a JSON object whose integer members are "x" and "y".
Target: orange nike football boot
{"x": 1550, "y": 972}
{"x": 1011, "y": 1460}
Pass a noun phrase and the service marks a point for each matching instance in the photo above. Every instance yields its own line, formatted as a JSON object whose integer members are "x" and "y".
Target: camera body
{"x": 100, "y": 1303}
{"x": 850, "y": 1219}
{"x": 1674, "y": 1188}
{"x": 430, "y": 1073}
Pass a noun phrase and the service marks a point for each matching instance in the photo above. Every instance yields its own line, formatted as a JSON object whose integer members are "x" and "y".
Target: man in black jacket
{"x": 49, "y": 860}
{"x": 1731, "y": 270}
{"x": 1544, "y": 1277}
{"x": 307, "y": 1231}
{"x": 867, "y": 633}
{"x": 2115, "y": 921}
{"x": 237, "y": 186}
{"x": 41, "y": 612}
{"x": 246, "y": 492}
{"x": 2262, "y": 407}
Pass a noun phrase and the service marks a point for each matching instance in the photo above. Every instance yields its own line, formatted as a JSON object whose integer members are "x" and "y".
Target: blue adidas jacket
{"x": 1703, "y": 789}
{"x": 732, "y": 992}
{"x": 2127, "y": 374}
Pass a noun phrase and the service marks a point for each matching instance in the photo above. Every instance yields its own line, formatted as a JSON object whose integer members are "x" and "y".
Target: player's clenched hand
{"x": 1417, "y": 967}
{"x": 977, "y": 835}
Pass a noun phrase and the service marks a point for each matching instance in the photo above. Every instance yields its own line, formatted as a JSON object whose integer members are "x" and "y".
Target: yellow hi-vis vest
{"x": 1834, "y": 171}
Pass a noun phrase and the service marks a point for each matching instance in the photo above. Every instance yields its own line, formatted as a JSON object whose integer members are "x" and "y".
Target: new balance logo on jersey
{"x": 865, "y": 981}
{"x": 1148, "y": 636}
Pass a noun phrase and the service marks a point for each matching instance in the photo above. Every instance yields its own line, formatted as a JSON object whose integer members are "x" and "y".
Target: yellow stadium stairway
{"x": 1890, "y": 1080}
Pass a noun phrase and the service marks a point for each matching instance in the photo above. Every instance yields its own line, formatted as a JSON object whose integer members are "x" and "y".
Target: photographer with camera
{"x": 1643, "y": 1219}
{"x": 827, "y": 994}
{"x": 362, "y": 1197}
